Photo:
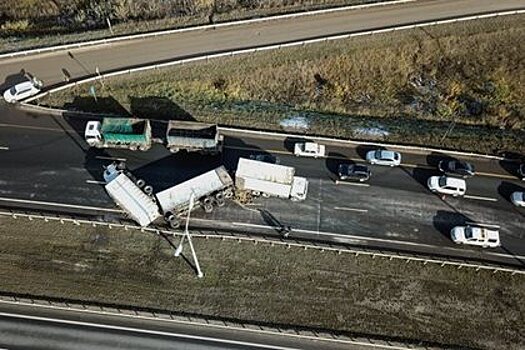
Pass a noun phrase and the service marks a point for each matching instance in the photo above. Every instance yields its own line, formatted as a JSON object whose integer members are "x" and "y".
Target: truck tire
{"x": 265, "y": 195}
{"x": 208, "y": 208}
{"x": 256, "y": 193}
{"x": 143, "y": 148}
{"x": 148, "y": 190}
{"x": 140, "y": 183}
{"x": 207, "y": 201}
{"x": 174, "y": 149}
{"x": 174, "y": 222}
{"x": 219, "y": 199}
{"x": 228, "y": 193}
{"x": 121, "y": 166}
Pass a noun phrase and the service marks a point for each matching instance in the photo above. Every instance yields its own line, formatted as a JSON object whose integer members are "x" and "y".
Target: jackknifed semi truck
{"x": 125, "y": 133}
{"x": 138, "y": 201}
{"x": 193, "y": 136}
{"x": 266, "y": 179}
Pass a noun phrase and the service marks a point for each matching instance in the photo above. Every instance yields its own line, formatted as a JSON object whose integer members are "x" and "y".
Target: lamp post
{"x": 187, "y": 234}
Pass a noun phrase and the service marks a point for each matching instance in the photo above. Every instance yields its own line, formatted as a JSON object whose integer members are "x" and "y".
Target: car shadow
{"x": 506, "y": 189}
{"x": 444, "y": 221}
{"x": 362, "y": 150}
{"x": 289, "y": 142}
{"x": 333, "y": 161}
{"x": 14, "y": 79}
{"x": 434, "y": 158}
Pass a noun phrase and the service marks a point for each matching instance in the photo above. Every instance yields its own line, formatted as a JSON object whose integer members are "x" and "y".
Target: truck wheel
{"x": 133, "y": 147}
{"x": 174, "y": 222}
{"x": 174, "y": 150}
{"x": 143, "y": 148}
{"x": 219, "y": 199}
{"x": 121, "y": 166}
{"x": 208, "y": 208}
{"x": 140, "y": 183}
{"x": 228, "y": 193}
{"x": 256, "y": 193}
{"x": 148, "y": 190}
{"x": 265, "y": 195}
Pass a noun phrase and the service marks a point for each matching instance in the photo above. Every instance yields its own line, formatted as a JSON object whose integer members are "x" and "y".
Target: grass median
{"x": 263, "y": 283}
{"x": 456, "y": 86}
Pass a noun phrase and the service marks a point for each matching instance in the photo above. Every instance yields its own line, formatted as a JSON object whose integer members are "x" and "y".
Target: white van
{"x": 447, "y": 185}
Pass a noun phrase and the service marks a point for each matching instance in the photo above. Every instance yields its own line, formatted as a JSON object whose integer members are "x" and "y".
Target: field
{"x": 457, "y": 86}
{"x": 261, "y": 283}
{"x": 36, "y": 23}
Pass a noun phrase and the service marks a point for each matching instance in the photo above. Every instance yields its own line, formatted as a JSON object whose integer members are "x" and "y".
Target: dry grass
{"x": 260, "y": 283}
{"x": 410, "y": 83}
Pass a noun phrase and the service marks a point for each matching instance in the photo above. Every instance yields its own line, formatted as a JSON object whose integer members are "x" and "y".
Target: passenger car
{"x": 475, "y": 235}
{"x": 518, "y": 199}
{"x": 447, "y": 185}
{"x": 457, "y": 167}
{"x": 353, "y": 172}
{"x": 383, "y": 157}
{"x": 309, "y": 149}
{"x": 22, "y": 90}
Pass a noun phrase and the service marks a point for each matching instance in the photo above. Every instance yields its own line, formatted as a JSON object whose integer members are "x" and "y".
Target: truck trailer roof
{"x": 136, "y": 203}
{"x": 265, "y": 171}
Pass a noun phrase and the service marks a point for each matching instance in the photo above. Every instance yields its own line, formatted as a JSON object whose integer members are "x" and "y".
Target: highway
{"x": 52, "y": 68}
{"x": 45, "y": 159}
{"x": 23, "y": 327}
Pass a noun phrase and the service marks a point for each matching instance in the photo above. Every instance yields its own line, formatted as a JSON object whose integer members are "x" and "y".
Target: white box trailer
{"x": 208, "y": 189}
{"x": 130, "y": 197}
{"x": 270, "y": 179}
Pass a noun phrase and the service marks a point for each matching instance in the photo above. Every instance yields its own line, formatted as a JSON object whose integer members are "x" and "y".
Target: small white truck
{"x": 208, "y": 189}
{"x": 309, "y": 149}
{"x": 476, "y": 235}
{"x": 193, "y": 136}
{"x": 261, "y": 178}
{"x": 131, "y": 195}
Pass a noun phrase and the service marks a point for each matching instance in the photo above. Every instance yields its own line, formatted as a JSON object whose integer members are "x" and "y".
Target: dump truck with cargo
{"x": 261, "y": 178}
{"x": 208, "y": 190}
{"x": 193, "y": 136}
{"x": 126, "y": 133}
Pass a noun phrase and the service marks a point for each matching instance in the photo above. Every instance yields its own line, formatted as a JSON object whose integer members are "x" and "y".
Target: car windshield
{"x": 378, "y": 154}
{"x": 468, "y": 233}
{"x": 442, "y": 181}
{"x": 359, "y": 169}
{"x": 13, "y": 90}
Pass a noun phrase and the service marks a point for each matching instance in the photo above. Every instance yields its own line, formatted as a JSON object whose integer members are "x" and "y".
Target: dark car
{"x": 521, "y": 171}
{"x": 354, "y": 172}
{"x": 457, "y": 167}
{"x": 266, "y": 157}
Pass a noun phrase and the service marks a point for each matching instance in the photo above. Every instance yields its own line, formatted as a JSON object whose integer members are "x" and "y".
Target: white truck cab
{"x": 299, "y": 189}
{"x": 92, "y": 133}
{"x": 309, "y": 149}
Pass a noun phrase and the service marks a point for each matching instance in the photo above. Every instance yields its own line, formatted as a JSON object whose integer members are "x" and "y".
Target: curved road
{"x": 52, "y": 67}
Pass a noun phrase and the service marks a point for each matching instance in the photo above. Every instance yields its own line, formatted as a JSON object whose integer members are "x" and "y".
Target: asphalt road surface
{"x": 25, "y": 327}
{"x": 45, "y": 159}
{"x": 52, "y": 68}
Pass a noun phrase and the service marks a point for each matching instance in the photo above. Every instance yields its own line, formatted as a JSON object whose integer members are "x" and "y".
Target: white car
{"x": 383, "y": 157}
{"x": 309, "y": 149}
{"x": 447, "y": 185}
{"x": 22, "y": 90}
{"x": 518, "y": 199}
{"x": 475, "y": 235}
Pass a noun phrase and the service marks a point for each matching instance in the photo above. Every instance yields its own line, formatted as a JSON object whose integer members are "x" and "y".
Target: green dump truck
{"x": 127, "y": 133}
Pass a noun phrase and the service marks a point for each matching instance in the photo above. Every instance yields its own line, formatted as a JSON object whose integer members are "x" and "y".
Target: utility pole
{"x": 187, "y": 234}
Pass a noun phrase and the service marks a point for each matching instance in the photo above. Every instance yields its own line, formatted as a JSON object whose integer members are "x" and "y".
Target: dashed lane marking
{"x": 111, "y": 158}
{"x": 95, "y": 182}
{"x": 488, "y": 199}
{"x": 34, "y": 127}
{"x": 501, "y": 176}
{"x": 352, "y": 209}
{"x": 359, "y": 184}
{"x": 4, "y": 148}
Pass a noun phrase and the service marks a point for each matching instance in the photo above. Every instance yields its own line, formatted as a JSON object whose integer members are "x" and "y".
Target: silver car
{"x": 22, "y": 90}
{"x": 384, "y": 157}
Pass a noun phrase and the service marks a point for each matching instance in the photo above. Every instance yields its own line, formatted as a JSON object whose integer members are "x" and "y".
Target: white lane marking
{"x": 209, "y": 325}
{"x": 54, "y": 204}
{"x": 489, "y": 199}
{"x": 111, "y": 158}
{"x": 337, "y": 182}
{"x": 352, "y": 209}
{"x": 4, "y": 148}
{"x": 143, "y": 331}
{"x": 95, "y": 182}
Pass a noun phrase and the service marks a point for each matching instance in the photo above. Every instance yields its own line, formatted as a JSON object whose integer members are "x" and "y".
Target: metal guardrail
{"x": 297, "y": 332}
{"x": 197, "y": 28}
{"x": 272, "y": 241}
{"x": 266, "y": 48}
